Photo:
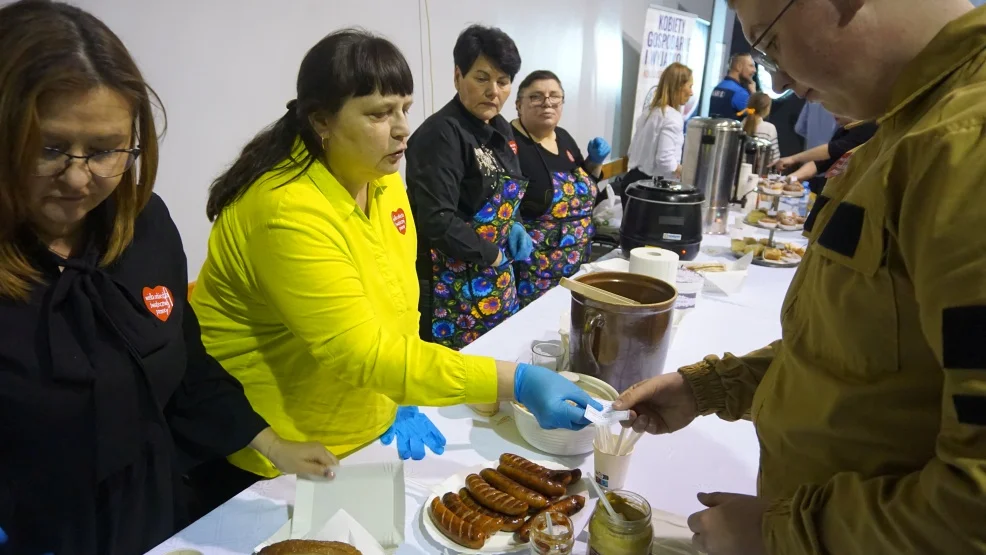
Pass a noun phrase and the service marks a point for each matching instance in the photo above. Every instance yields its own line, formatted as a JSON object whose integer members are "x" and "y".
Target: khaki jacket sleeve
{"x": 302, "y": 264}
{"x": 725, "y": 386}
{"x": 942, "y": 507}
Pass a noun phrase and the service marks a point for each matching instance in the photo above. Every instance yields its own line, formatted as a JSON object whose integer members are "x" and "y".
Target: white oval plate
{"x": 501, "y": 542}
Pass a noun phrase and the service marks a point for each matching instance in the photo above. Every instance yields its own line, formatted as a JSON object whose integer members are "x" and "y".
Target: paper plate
{"x": 501, "y": 542}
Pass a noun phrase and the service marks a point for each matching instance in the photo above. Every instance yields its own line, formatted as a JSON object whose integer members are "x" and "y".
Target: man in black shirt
{"x": 465, "y": 185}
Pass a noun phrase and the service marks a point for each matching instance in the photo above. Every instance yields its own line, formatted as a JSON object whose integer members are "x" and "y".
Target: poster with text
{"x": 668, "y": 36}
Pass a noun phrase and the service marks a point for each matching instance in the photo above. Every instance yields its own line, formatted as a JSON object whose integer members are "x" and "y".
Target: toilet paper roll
{"x": 655, "y": 262}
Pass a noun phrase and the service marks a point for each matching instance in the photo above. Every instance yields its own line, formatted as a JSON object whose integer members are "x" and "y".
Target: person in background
{"x": 561, "y": 192}
{"x": 815, "y": 124}
{"x": 870, "y": 410}
{"x": 106, "y": 394}
{"x": 308, "y": 294}
{"x": 733, "y": 93}
{"x": 465, "y": 185}
{"x": 817, "y": 162}
{"x": 755, "y": 122}
{"x": 658, "y": 140}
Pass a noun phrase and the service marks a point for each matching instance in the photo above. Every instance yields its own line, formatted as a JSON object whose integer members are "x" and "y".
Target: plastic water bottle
{"x": 803, "y": 201}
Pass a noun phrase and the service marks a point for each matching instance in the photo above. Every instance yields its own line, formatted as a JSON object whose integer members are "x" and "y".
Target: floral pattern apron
{"x": 562, "y": 235}
{"x": 469, "y": 300}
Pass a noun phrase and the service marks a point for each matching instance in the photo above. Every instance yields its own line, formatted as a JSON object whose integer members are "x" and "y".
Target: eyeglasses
{"x": 107, "y": 163}
{"x": 541, "y": 100}
{"x": 759, "y": 56}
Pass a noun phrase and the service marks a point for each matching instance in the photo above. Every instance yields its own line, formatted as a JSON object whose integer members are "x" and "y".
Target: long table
{"x": 708, "y": 455}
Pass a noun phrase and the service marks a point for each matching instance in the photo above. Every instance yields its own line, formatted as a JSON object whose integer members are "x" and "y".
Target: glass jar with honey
{"x": 558, "y": 539}
{"x": 631, "y": 534}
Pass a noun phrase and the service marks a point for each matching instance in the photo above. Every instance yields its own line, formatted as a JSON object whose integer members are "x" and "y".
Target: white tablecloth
{"x": 709, "y": 455}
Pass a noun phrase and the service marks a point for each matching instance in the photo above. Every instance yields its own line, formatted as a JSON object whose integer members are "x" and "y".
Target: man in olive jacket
{"x": 871, "y": 408}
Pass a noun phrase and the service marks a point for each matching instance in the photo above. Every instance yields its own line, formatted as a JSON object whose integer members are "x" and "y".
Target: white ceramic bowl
{"x": 563, "y": 442}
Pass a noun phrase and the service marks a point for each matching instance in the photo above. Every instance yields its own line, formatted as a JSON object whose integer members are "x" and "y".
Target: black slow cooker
{"x": 659, "y": 213}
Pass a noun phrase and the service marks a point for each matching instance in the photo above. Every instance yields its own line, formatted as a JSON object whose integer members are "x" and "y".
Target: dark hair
{"x": 735, "y": 58}
{"x": 54, "y": 48}
{"x": 539, "y": 75}
{"x": 347, "y": 63}
{"x": 491, "y": 42}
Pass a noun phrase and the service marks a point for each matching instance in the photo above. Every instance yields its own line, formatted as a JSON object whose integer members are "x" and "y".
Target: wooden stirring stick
{"x": 595, "y": 293}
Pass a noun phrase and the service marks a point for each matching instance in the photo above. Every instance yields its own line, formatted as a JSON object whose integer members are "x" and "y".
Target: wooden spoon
{"x": 595, "y": 293}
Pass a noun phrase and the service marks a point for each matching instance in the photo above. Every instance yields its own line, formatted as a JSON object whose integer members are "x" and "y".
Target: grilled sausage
{"x": 492, "y": 498}
{"x": 531, "y": 480}
{"x": 568, "y": 507}
{"x": 534, "y": 499}
{"x": 510, "y": 523}
{"x": 573, "y": 475}
{"x": 563, "y": 477}
{"x": 490, "y": 525}
{"x": 456, "y": 529}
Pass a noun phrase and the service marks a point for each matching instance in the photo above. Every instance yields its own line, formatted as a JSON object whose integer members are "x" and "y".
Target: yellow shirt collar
{"x": 956, "y": 44}
{"x": 330, "y": 186}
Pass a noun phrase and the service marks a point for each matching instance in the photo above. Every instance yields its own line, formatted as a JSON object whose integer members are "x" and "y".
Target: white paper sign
{"x": 667, "y": 39}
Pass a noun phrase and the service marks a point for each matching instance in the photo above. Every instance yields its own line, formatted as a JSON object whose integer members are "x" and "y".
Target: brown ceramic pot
{"x": 622, "y": 345}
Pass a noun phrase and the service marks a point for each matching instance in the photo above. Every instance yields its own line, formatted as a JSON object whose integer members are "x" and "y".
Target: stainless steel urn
{"x": 713, "y": 148}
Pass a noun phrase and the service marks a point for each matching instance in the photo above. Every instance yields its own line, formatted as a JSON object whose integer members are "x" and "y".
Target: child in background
{"x": 755, "y": 123}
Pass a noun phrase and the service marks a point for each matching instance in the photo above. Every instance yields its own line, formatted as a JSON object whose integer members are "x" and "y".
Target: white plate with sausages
{"x": 500, "y": 542}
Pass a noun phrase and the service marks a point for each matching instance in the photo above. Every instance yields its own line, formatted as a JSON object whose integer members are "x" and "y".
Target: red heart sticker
{"x": 513, "y": 146}
{"x": 159, "y": 301}
{"x": 570, "y": 157}
{"x": 400, "y": 220}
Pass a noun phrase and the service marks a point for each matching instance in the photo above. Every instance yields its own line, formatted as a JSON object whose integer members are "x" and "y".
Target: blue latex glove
{"x": 413, "y": 431}
{"x": 598, "y": 149}
{"x": 3, "y": 537}
{"x": 546, "y": 394}
{"x": 519, "y": 243}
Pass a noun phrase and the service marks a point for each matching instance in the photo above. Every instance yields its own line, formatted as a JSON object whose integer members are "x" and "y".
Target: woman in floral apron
{"x": 471, "y": 299}
{"x": 557, "y": 208}
{"x": 465, "y": 187}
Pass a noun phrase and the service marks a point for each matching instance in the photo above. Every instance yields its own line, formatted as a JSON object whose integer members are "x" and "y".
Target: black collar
{"x": 482, "y": 130}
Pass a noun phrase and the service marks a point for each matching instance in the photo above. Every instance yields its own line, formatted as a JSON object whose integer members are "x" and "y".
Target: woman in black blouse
{"x": 557, "y": 208}
{"x": 465, "y": 186}
{"x": 106, "y": 394}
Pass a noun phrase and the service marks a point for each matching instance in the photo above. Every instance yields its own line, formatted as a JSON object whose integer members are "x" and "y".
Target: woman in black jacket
{"x": 106, "y": 394}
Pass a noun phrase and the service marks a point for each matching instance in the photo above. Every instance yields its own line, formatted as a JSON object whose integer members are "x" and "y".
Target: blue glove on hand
{"x": 598, "y": 149}
{"x": 3, "y": 537}
{"x": 546, "y": 394}
{"x": 413, "y": 431}
{"x": 519, "y": 243}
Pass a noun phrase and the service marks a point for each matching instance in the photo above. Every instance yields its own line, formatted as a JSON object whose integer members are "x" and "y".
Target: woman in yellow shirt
{"x": 309, "y": 293}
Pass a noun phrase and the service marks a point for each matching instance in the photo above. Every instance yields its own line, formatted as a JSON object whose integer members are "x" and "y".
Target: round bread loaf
{"x": 309, "y": 547}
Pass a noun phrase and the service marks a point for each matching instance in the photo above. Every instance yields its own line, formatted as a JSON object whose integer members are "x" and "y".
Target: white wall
{"x": 226, "y": 68}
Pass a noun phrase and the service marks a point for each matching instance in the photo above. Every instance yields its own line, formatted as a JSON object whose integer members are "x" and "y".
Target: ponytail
{"x": 750, "y": 123}
{"x": 758, "y": 107}
{"x": 269, "y": 149}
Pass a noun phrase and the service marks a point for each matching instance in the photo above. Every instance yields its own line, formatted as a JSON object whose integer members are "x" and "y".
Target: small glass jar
{"x": 631, "y": 536}
{"x": 560, "y": 541}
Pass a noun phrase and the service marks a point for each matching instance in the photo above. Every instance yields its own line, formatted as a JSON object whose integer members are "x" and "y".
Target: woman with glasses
{"x": 465, "y": 185}
{"x": 106, "y": 394}
{"x": 659, "y": 138}
{"x": 557, "y": 207}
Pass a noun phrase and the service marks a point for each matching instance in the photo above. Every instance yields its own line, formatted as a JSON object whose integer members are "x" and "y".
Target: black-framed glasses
{"x": 538, "y": 99}
{"x": 106, "y": 163}
{"x": 759, "y": 56}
